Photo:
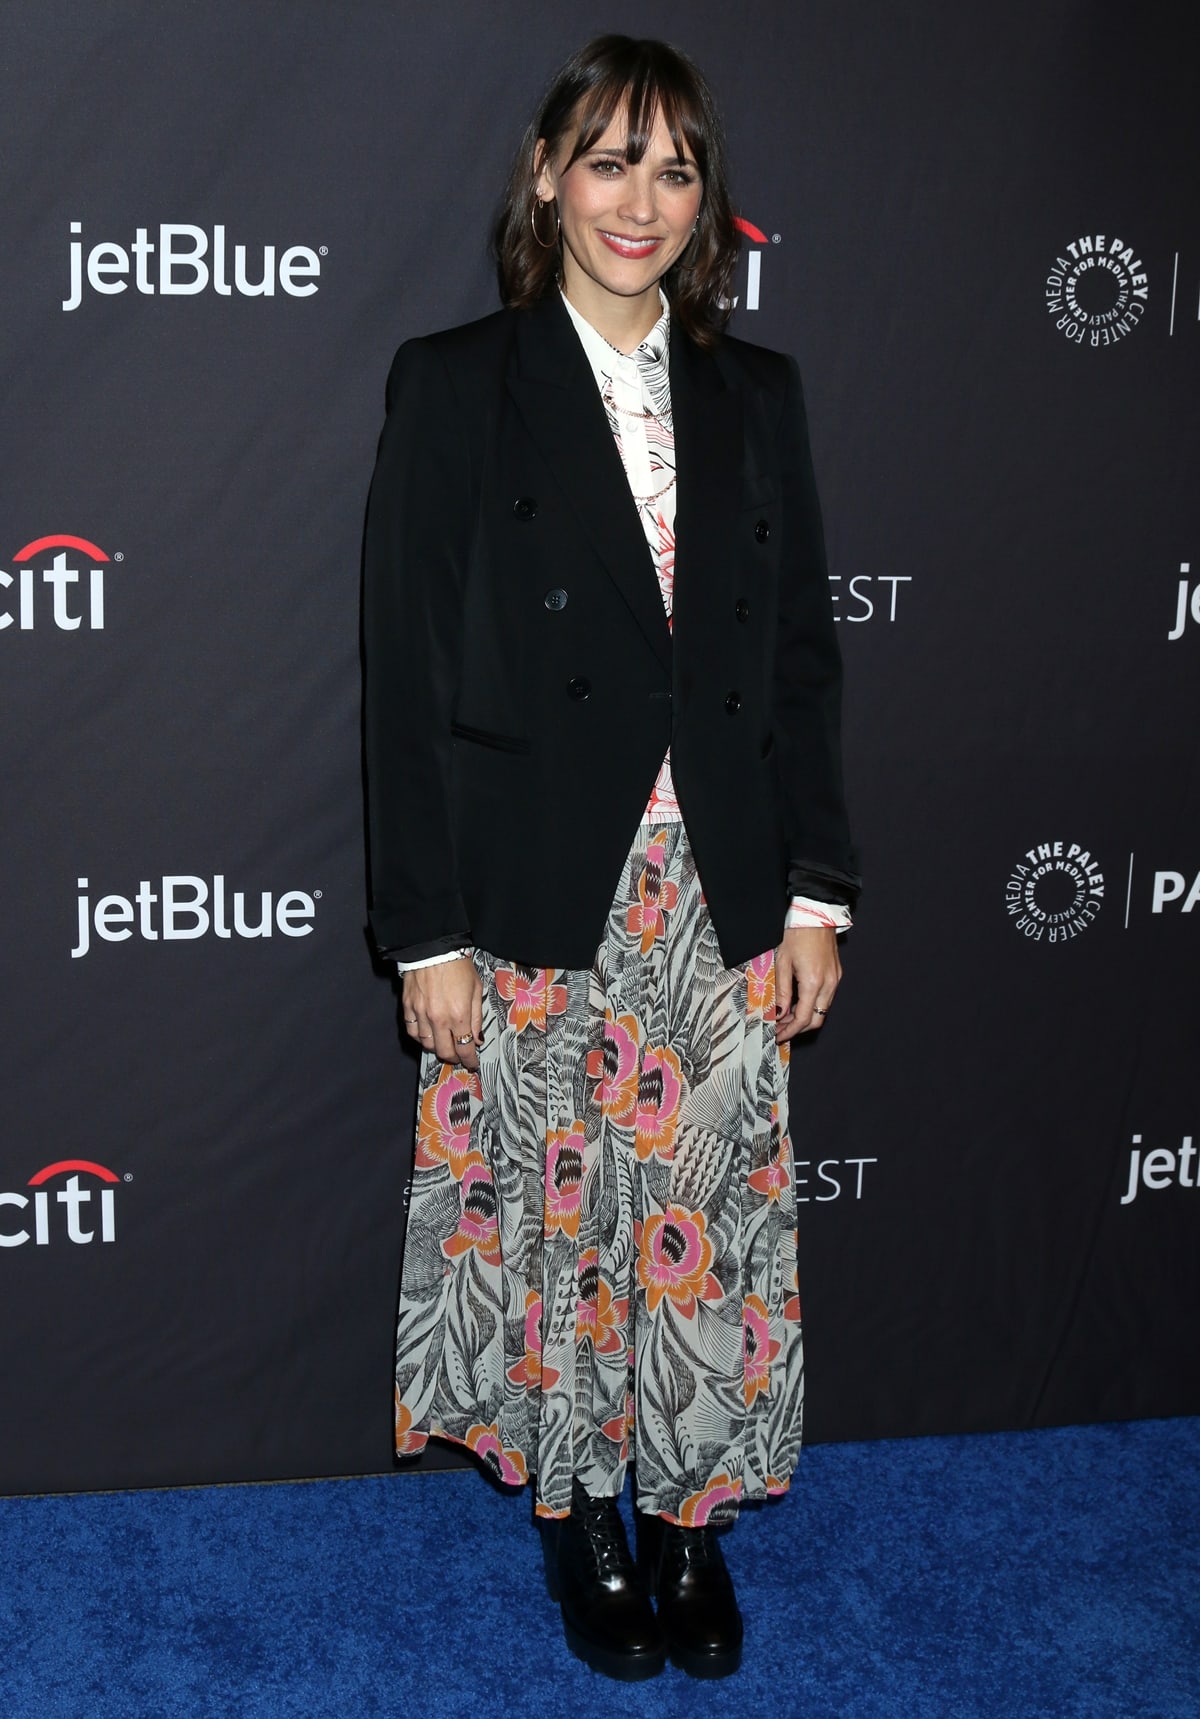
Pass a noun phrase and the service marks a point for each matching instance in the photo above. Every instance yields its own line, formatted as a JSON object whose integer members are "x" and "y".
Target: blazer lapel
{"x": 555, "y": 392}
{"x": 709, "y": 438}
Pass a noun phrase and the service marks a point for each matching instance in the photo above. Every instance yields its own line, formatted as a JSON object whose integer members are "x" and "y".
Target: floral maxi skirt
{"x": 600, "y": 1262}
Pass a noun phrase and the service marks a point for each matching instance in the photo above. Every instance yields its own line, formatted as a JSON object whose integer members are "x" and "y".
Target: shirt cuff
{"x": 435, "y": 960}
{"x": 804, "y": 912}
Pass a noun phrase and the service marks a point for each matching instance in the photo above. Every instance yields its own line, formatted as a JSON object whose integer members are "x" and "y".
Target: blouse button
{"x": 762, "y": 531}
{"x": 742, "y": 609}
{"x": 556, "y": 599}
{"x": 733, "y": 703}
{"x": 525, "y": 507}
{"x": 579, "y": 688}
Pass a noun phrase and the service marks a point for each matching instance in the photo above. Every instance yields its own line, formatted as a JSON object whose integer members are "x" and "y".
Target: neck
{"x": 624, "y": 321}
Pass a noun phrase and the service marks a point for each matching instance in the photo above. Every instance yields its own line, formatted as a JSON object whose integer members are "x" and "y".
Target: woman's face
{"x": 623, "y": 223}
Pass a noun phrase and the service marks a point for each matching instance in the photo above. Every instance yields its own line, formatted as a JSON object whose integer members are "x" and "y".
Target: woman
{"x": 610, "y": 856}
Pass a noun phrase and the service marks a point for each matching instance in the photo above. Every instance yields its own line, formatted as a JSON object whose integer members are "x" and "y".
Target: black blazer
{"x": 522, "y": 685}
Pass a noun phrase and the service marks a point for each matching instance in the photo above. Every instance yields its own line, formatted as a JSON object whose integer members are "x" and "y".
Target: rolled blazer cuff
{"x": 436, "y": 946}
{"x": 823, "y": 883}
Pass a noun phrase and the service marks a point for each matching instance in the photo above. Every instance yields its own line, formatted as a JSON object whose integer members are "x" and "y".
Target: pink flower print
{"x": 615, "y": 1067}
{"x": 444, "y": 1124}
{"x": 674, "y": 1255}
{"x": 530, "y": 995}
{"x": 659, "y": 1091}
{"x": 529, "y": 1370}
{"x": 507, "y": 1465}
{"x": 478, "y": 1225}
{"x": 774, "y": 1176}
{"x": 758, "y": 1347}
{"x": 760, "y": 986}
{"x": 564, "y": 1179}
{"x": 656, "y": 896}
{"x": 717, "y": 1503}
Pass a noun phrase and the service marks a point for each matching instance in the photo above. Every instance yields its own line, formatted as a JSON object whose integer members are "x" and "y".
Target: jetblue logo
{"x": 182, "y": 260}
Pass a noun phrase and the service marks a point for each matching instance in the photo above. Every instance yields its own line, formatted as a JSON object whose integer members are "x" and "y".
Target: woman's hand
{"x": 443, "y": 1010}
{"x": 807, "y": 971}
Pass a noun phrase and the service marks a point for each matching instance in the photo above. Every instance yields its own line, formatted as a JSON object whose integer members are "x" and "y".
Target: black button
{"x": 733, "y": 703}
{"x": 761, "y": 531}
{"x": 742, "y": 609}
{"x": 556, "y": 599}
{"x": 579, "y": 688}
{"x": 525, "y": 507}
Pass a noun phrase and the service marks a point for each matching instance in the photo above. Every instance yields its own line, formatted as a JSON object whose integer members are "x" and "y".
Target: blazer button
{"x": 579, "y": 688}
{"x": 761, "y": 531}
{"x": 525, "y": 507}
{"x": 556, "y": 599}
{"x": 742, "y": 609}
{"x": 733, "y": 703}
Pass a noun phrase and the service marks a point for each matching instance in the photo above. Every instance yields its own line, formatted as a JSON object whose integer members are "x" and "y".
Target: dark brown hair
{"x": 643, "y": 78}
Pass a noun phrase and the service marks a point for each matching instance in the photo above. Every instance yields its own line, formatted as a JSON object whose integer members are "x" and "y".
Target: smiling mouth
{"x": 626, "y": 247}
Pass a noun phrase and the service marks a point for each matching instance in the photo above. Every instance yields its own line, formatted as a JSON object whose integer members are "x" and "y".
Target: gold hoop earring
{"x": 540, "y": 203}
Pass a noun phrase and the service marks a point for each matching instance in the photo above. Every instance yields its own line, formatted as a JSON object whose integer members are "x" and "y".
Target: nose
{"x": 639, "y": 203}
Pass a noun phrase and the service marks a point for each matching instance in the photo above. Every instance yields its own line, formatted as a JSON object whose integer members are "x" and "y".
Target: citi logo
{"x": 184, "y": 908}
{"x": 66, "y": 596}
{"x": 187, "y": 261}
{"x": 94, "y": 1207}
{"x": 753, "y": 260}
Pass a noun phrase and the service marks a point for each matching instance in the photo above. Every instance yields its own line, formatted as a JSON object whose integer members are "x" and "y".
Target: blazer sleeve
{"x": 808, "y": 683}
{"x": 414, "y": 571}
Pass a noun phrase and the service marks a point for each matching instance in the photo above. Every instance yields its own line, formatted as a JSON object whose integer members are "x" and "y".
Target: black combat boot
{"x": 607, "y": 1617}
{"x": 697, "y": 1607}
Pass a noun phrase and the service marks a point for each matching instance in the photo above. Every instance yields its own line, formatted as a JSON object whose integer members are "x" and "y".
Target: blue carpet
{"x": 1023, "y": 1574}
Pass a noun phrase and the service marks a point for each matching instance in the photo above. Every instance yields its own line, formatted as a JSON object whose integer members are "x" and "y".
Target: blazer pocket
{"x": 488, "y": 737}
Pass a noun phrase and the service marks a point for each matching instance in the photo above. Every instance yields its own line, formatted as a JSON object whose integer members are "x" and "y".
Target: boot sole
{"x": 625, "y": 1667}
{"x": 707, "y": 1664}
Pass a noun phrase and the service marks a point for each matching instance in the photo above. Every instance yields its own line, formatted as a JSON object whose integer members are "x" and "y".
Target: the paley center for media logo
{"x": 58, "y": 581}
{"x": 181, "y": 260}
{"x": 1054, "y": 892}
{"x": 1097, "y": 290}
{"x": 73, "y": 1200}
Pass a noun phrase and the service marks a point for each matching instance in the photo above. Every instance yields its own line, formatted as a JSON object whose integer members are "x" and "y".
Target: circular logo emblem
{"x": 1096, "y": 292}
{"x": 1054, "y": 892}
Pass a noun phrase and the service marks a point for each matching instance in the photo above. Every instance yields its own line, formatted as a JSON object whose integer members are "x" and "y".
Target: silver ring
{"x": 410, "y": 1020}
{"x": 817, "y": 1011}
{"x": 466, "y": 1040}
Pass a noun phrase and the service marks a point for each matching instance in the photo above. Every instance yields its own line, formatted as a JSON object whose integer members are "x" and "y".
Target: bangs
{"x": 650, "y": 91}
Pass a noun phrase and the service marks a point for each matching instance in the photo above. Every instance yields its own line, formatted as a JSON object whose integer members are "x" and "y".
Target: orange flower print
{"x": 620, "y": 1428}
{"x": 477, "y": 1226}
{"x": 758, "y": 1347}
{"x": 564, "y": 1179}
{"x": 529, "y": 1370}
{"x": 659, "y": 1091}
{"x": 599, "y": 1317}
{"x": 760, "y": 986}
{"x": 507, "y": 1465}
{"x": 530, "y": 995}
{"x": 615, "y": 1067}
{"x": 774, "y": 1176}
{"x": 717, "y": 1503}
{"x": 444, "y": 1125}
{"x": 656, "y": 896}
{"x": 408, "y": 1442}
{"x": 674, "y": 1255}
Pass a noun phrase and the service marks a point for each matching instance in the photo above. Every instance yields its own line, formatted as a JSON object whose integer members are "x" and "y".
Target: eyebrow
{"x": 622, "y": 154}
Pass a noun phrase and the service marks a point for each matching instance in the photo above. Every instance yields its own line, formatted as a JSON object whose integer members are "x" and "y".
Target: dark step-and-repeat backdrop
{"x": 982, "y": 239}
